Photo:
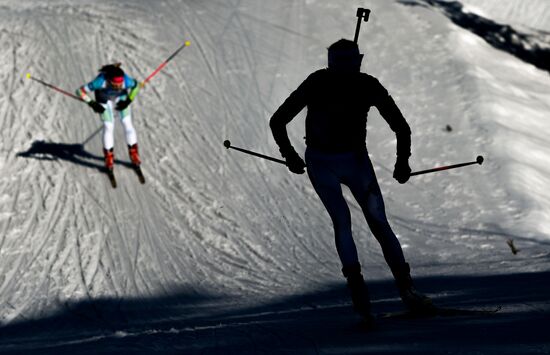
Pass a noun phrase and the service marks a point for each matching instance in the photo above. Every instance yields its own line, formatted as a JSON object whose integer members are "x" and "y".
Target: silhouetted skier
{"x": 338, "y": 100}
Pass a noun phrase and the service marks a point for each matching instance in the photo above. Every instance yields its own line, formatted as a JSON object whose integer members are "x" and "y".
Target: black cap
{"x": 344, "y": 55}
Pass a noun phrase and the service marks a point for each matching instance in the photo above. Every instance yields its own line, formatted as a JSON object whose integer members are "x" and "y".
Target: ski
{"x": 139, "y": 173}
{"x": 112, "y": 179}
{"x": 438, "y": 312}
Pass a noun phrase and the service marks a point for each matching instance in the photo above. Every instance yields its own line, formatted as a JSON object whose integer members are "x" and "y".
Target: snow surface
{"x": 224, "y": 253}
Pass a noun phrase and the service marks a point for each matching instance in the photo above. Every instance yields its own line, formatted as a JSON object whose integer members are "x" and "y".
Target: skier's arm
{"x": 84, "y": 91}
{"x": 284, "y": 114}
{"x": 393, "y": 116}
{"x": 391, "y": 113}
{"x": 132, "y": 86}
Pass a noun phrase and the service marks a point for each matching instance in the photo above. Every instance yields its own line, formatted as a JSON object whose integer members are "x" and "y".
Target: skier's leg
{"x": 108, "y": 126}
{"x": 131, "y": 136}
{"x": 129, "y": 130}
{"x": 108, "y": 135}
{"x": 366, "y": 191}
{"x": 327, "y": 185}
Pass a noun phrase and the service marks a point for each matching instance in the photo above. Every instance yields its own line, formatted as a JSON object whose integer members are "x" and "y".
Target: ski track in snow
{"x": 216, "y": 222}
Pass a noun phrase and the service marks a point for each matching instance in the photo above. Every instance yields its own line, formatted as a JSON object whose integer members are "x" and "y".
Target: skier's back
{"x": 338, "y": 100}
{"x": 337, "y": 106}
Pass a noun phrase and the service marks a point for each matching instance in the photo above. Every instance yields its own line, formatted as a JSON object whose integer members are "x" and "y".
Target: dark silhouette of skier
{"x": 338, "y": 100}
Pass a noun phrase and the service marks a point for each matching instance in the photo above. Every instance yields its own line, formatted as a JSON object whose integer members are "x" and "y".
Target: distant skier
{"x": 338, "y": 100}
{"x": 113, "y": 91}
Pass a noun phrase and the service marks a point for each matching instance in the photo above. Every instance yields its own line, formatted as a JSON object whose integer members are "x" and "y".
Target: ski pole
{"x": 92, "y": 136}
{"x": 55, "y": 88}
{"x": 479, "y": 160}
{"x": 228, "y": 145}
{"x": 158, "y": 69}
{"x": 362, "y": 14}
{"x": 163, "y": 64}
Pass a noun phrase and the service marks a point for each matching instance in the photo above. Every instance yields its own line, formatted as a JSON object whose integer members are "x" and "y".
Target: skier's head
{"x": 114, "y": 75}
{"x": 344, "y": 56}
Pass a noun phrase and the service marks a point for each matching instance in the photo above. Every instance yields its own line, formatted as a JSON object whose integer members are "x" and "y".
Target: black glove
{"x": 96, "y": 106}
{"x": 294, "y": 162}
{"x": 402, "y": 171}
{"x": 121, "y": 105}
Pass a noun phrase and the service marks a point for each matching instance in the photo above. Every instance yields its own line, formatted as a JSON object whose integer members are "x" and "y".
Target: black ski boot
{"x": 359, "y": 292}
{"x": 413, "y": 300}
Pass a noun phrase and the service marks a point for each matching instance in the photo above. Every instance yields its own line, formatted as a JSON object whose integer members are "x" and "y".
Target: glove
{"x": 294, "y": 162}
{"x": 121, "y": 105}
{"x": 97, "y": 107}
{"x": 402, "y": 171}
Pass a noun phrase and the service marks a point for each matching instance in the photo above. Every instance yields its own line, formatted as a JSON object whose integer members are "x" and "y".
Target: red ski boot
{"x": 109, "y": 158}
{"x": 134, "y": 154}
{"x": 134, "y": 157}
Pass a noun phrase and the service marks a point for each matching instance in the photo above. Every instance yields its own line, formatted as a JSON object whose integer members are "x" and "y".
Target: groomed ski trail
{"x": 210, "y": 221}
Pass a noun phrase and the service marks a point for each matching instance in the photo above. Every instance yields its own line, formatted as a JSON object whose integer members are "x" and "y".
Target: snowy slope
{"x": 529, "y": 14}
{"x": 231, "y": 230}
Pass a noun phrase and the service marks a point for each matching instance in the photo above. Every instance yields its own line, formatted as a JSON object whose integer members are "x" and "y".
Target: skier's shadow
{"x": 74, "y": 153}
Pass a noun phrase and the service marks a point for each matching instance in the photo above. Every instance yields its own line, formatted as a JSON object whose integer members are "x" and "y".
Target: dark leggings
{"x": 327, "y": 172}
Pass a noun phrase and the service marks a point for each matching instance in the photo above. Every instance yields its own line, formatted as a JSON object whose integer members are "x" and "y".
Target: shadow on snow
{"x": 321, "y": 321}
{"x": 74, "y": 153}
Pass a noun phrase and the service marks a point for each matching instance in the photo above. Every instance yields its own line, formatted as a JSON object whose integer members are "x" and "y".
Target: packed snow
{"x": 221, "y": 252}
